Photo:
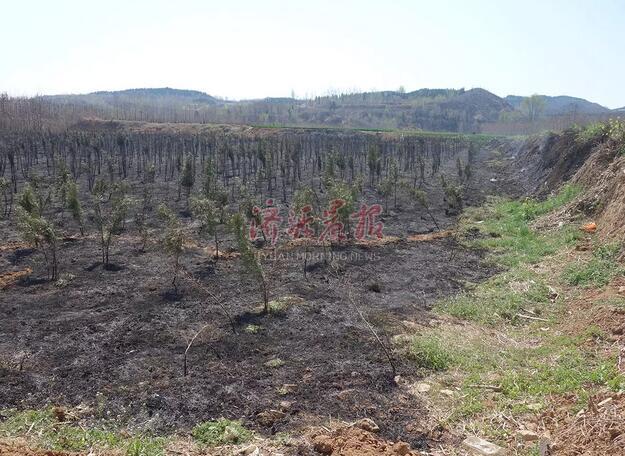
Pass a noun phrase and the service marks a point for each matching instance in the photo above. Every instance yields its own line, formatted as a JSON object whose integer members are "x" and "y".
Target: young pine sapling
{"x": 173, "y": 240}
{"x": 110, "y": 206}
{"x": 206, "y": 212}
{"x": 187, "y": 179}
{"x": 251, "y": 261}
{"x": 146, "y": 206}
{"x": 73, "y": 204}
{"x": 36, "y": 230}
{"x": 7, "y": 196}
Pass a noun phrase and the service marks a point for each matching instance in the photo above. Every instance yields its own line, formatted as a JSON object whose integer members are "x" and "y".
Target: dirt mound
{"x": 353, "y": 441}
{"x": 603, "y": 175}
{"x": 597, "y": 430}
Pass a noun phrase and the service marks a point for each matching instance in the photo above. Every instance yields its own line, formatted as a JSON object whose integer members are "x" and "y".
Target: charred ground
{"x": 113, "y": 339}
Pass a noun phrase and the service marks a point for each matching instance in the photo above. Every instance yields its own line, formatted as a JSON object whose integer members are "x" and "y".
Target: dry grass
{"x": 9, "y": 278}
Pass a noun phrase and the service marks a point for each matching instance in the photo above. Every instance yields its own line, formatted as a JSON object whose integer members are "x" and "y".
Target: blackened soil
{"x": 114, "y": 340}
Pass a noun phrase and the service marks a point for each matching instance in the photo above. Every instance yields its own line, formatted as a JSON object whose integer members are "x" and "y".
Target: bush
{"x": 593, "y": 133}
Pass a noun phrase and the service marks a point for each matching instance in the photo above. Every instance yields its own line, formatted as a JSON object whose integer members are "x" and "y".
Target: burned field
{"x": 110, "y": 332}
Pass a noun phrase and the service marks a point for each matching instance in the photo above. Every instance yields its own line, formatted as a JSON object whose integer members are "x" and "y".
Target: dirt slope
{"x": 596, "y": 164}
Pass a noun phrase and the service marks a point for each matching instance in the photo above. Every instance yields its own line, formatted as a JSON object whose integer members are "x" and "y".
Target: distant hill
{"x": 194, "y": 96}
{"x": 147, "y": 96}
{"x": 562, "y": 105}
{"x": 456, "y": 110}
{"x": 427, "y": 109}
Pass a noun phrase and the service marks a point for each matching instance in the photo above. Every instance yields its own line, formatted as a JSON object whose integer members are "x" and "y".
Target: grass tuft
{"x": 274, "y": 363}
{"x": 220, "y": 432}
{"x": 429, "y": 352}
{"x": 62, "y": 436}
{"x": 598, "y": 271}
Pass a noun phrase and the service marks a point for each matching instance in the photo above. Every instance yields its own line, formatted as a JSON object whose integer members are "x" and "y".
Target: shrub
{"x": 593, "y": 133}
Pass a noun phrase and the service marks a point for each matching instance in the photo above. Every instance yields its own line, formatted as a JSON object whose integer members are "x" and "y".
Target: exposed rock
{"x": 447, "y": 392}
{"x": 605, "y": 402}
{"x": 269, "y": 417}
{"x": 422, "y": 387}
{"x": 401, "y": 448}
{"x": 285, "y": 406}
{"x": 251, "y": 450}
{"x": 287, "y": 388}
{"x": 367, "y": 424}
{"x": 482, "y": 447}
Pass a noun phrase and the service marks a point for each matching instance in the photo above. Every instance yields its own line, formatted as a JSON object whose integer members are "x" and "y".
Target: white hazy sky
{"x": 251, "y": 49}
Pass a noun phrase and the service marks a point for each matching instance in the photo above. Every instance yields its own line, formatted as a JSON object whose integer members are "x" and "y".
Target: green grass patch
{"x": 524, "y": 377}
{"x": 504, "y": 230}
{"x": 597, "y": 271}
{"x": 593, "y": 273}
{"x": 501, "y": 298}
{"x": 617, "y": 302}
{"x": 568, "y": 371}
{"x": 221, "y": 432}
{"x": 430, "y": 352}
{"x": 50, "y": 434}
{"x": 522, "y": 359}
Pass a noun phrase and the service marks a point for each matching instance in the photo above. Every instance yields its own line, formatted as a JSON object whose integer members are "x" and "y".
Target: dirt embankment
{"x": 595, "y": 164}
{"x": 545, "y": 162}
